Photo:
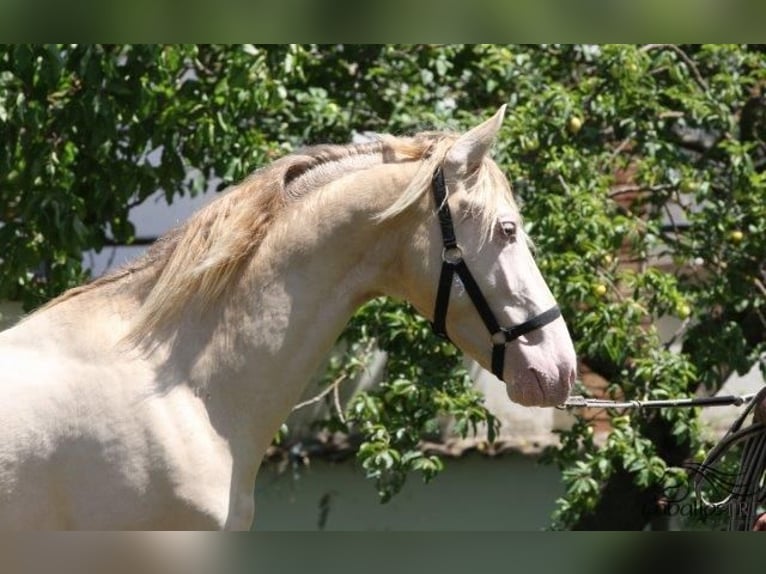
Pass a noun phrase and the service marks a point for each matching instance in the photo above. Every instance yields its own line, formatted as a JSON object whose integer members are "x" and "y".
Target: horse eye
{"x": 509, "y": 229}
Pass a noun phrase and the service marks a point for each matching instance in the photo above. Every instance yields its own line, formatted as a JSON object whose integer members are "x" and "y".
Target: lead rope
{"x": 749, "y": 487}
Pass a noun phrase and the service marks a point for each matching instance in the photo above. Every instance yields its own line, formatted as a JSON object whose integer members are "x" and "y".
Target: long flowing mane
{"x": 200, "y": 258}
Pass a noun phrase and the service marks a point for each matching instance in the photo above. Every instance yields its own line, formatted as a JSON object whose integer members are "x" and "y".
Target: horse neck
{"x": 311, "y": 273}
{"x": 329, "y": 258}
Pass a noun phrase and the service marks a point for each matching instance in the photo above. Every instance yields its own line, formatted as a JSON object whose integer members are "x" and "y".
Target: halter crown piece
{"x": 453, "y": 262}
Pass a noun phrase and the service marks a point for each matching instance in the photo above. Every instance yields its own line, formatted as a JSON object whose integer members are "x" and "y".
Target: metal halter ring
{"x": 452, "y": 255}
{"x": 499, "y": 338}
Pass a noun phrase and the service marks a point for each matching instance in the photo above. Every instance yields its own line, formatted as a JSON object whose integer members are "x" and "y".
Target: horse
{"x": 146, "y": 398}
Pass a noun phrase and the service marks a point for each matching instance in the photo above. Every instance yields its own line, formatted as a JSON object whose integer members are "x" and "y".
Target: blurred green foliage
{"x": 395, "y": 20}
{"x": 640, "y": 170}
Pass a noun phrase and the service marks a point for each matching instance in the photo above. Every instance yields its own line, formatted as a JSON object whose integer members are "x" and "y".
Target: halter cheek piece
{"x": 452, "y": 262}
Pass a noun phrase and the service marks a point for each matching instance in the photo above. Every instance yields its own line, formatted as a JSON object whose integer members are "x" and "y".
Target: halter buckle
{"x": 452, "y": 255}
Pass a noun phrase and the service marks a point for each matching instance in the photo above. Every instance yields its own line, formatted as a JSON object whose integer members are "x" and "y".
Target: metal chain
{"x": 579, "y": 401}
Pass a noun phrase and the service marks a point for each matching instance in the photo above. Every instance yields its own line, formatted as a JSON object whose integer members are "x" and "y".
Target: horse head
{"x": 485, "y": 291}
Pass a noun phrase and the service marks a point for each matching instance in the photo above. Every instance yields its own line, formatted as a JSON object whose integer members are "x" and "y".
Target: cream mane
{"x": 198, "y": 260}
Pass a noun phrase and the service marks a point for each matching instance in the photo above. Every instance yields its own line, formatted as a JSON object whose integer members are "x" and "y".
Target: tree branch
{"x": 684, "y": 56}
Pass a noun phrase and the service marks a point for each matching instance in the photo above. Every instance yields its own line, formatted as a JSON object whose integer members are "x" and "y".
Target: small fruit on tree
{"x": 575, "y": 124}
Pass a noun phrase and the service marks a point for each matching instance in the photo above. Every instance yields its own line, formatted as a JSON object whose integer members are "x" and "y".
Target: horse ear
{"x": 469, "y": 150}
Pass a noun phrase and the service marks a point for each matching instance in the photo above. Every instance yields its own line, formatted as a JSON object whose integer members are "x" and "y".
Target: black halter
{"x": 452, "y": 262}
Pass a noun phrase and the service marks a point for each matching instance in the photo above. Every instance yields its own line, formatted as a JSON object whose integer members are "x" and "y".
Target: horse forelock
{"x": 491, "y": 196}
{"x": 489, "y": 188}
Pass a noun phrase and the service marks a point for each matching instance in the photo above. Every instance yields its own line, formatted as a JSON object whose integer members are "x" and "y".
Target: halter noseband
{"x": 452, "y": 262}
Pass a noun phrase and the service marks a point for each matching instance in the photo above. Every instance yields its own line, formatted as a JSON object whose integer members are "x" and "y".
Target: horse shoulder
{"x": 81, "y": 439}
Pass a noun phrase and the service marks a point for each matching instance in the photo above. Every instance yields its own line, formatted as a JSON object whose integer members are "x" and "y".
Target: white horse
{"x": 147, "y": 398}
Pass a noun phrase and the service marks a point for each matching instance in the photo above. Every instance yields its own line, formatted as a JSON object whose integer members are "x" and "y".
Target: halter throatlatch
{"x": 453, "y": 262}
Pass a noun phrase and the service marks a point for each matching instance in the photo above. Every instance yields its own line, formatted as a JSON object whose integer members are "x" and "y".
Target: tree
{"x": 640, "y": 168}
